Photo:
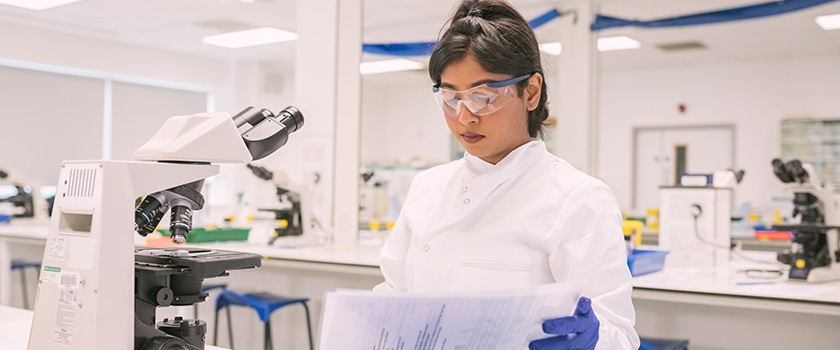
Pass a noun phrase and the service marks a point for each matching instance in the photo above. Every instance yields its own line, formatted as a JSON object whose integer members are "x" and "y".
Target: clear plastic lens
{"x": 480, "y": 100}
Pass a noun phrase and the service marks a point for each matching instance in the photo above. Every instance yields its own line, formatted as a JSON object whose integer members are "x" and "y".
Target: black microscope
{"x": 814, "y": 255}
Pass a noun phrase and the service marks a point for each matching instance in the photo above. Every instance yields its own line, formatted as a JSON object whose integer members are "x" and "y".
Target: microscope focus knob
{"x": 164, "y": 296}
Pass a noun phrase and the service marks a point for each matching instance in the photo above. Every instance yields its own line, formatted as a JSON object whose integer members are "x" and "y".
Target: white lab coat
{"x": 530, "y": 219}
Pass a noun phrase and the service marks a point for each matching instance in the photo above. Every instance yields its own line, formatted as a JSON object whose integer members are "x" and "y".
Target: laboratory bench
{"x": 730, "y": 311}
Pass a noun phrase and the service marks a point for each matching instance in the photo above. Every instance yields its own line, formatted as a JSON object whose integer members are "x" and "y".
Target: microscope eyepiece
{"x": 264, "y": 132}
{"x": 291, "y": 118}
{"x": 781, "y": 171}
{"x": 795, "y": 168}
{"x": 250, "y": 117}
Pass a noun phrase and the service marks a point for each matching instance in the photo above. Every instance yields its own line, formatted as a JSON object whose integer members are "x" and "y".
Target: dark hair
{"x": 502, "y": 42}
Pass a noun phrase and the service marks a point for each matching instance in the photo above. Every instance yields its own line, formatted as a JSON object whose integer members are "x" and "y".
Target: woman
{"x": 509, "y": 214}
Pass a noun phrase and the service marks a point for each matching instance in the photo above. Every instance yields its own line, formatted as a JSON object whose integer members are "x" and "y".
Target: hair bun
{"x": 474, "y": 12}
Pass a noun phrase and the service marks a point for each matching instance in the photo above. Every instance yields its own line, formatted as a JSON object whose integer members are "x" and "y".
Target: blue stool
{"x": 264, "y": 304}
{"x": 663, "y": 344}
{"x": 206, "y": 288}
{"x": 20, "y": 265}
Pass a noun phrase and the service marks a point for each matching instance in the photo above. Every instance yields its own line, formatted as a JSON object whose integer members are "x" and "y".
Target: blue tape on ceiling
{"x": 426, "y": 48}
{"x": 604, "y": 22}
{"x": 735, "y": 14}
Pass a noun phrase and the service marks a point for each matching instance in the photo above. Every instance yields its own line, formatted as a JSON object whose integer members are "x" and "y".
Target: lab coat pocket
{"x": 493, "y": 275}
{"x": 496, "y": 266}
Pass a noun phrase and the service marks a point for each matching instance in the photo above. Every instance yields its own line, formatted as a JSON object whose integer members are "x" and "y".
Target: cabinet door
{"x": 648, "y": 169}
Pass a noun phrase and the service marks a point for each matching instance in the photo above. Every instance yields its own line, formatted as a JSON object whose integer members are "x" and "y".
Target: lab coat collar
{"x": 515, "y": 160}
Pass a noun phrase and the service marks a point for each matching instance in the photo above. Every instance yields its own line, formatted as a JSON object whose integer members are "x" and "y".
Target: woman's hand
{"x": 576, "y": 332}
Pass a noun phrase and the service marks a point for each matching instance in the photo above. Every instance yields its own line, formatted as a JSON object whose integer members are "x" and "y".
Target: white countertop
{"x": 25, "y": 230}
{"x": 737, "y": 283}
{"x": 362, "y": 255}
{"x": 366, "y": 257}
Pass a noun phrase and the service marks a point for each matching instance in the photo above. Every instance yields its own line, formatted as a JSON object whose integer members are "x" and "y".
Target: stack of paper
{"x": 476, "y": 320}
{"x": 14, "y": 335}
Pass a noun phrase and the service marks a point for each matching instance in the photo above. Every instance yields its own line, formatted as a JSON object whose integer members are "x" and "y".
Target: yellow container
{"x": 629, "y": 226}
{"x": 652, "y": 218}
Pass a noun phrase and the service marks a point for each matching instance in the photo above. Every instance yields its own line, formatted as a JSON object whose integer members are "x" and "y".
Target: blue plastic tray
{"x": 646, "y": 261}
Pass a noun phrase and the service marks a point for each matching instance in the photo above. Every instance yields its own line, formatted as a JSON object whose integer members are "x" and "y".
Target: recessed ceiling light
{"x": 37, "y": 5}
{"x": 385, "y": 66}
{"x": 251, "y": 37}
{"x": 829, "y": 22}
{"x": 612, "y": 43}
{"x": 552, "y": 48}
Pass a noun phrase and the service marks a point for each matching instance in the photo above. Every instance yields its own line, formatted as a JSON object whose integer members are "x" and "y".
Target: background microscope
{"x": 814, "y": 255}
{"x": 292, "y": 217}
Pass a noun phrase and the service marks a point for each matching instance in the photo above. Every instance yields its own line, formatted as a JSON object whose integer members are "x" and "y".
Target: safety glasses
{"x": 480, "y": 100}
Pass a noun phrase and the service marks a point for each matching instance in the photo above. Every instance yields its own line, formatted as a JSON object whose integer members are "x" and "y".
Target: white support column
{"x": 574, "y": 95}
{"x": 328, "y": 92}
{"x": 348, "y": 123}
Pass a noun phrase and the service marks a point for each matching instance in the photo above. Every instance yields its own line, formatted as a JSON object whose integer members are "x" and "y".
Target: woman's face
{"x": 490, "y": 137}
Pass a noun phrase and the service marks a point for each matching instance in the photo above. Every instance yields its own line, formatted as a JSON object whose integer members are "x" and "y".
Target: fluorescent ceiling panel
{"x": 385, "y": 66}
{"x": 829, "y": 22}
{"x": 37, "y": 5}
{"x": 612, "y": 43}
{"x": 251, "y": 37}
{"x": 553, "y": 48}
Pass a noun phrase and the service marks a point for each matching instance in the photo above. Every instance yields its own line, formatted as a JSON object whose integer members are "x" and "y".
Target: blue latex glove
{"x": 577, "y": 332}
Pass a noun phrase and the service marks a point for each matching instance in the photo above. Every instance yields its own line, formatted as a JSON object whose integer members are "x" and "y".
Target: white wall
{"x": 401, "y": 120}
{"x": 753, "y": 96}
{"x": 235, "y": 84}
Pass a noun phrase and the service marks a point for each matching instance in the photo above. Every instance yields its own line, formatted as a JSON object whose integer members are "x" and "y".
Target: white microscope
{"x": 814, "y": 255}
{"x": 88, "y": 298}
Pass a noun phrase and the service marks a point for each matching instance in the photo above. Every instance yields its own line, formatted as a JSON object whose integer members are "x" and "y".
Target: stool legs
{"x": 216, "y": 327}
{"x": 267, "y": 341}
{"x": 308, "y": 326}
{"x": 23, "y": 288}
{"x": 230, "y": 326}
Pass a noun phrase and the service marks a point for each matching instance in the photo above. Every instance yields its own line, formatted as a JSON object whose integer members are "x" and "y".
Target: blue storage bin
{"x": 646, "y": 261}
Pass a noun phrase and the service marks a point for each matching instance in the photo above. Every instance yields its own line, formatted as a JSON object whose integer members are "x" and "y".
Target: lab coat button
{"x": 466, "y": 201}
{"x": 464, "y": 189}
{"x": 426, "y": 248}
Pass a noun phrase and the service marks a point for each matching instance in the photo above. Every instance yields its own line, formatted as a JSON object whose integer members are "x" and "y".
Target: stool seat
{"x": 663, "y": 344}
{"x": 17, "y": 265}
{"x": 263, "y": 303}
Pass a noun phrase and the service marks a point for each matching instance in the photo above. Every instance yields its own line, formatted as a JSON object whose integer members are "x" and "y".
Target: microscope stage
{"x": 202, "y": 263}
